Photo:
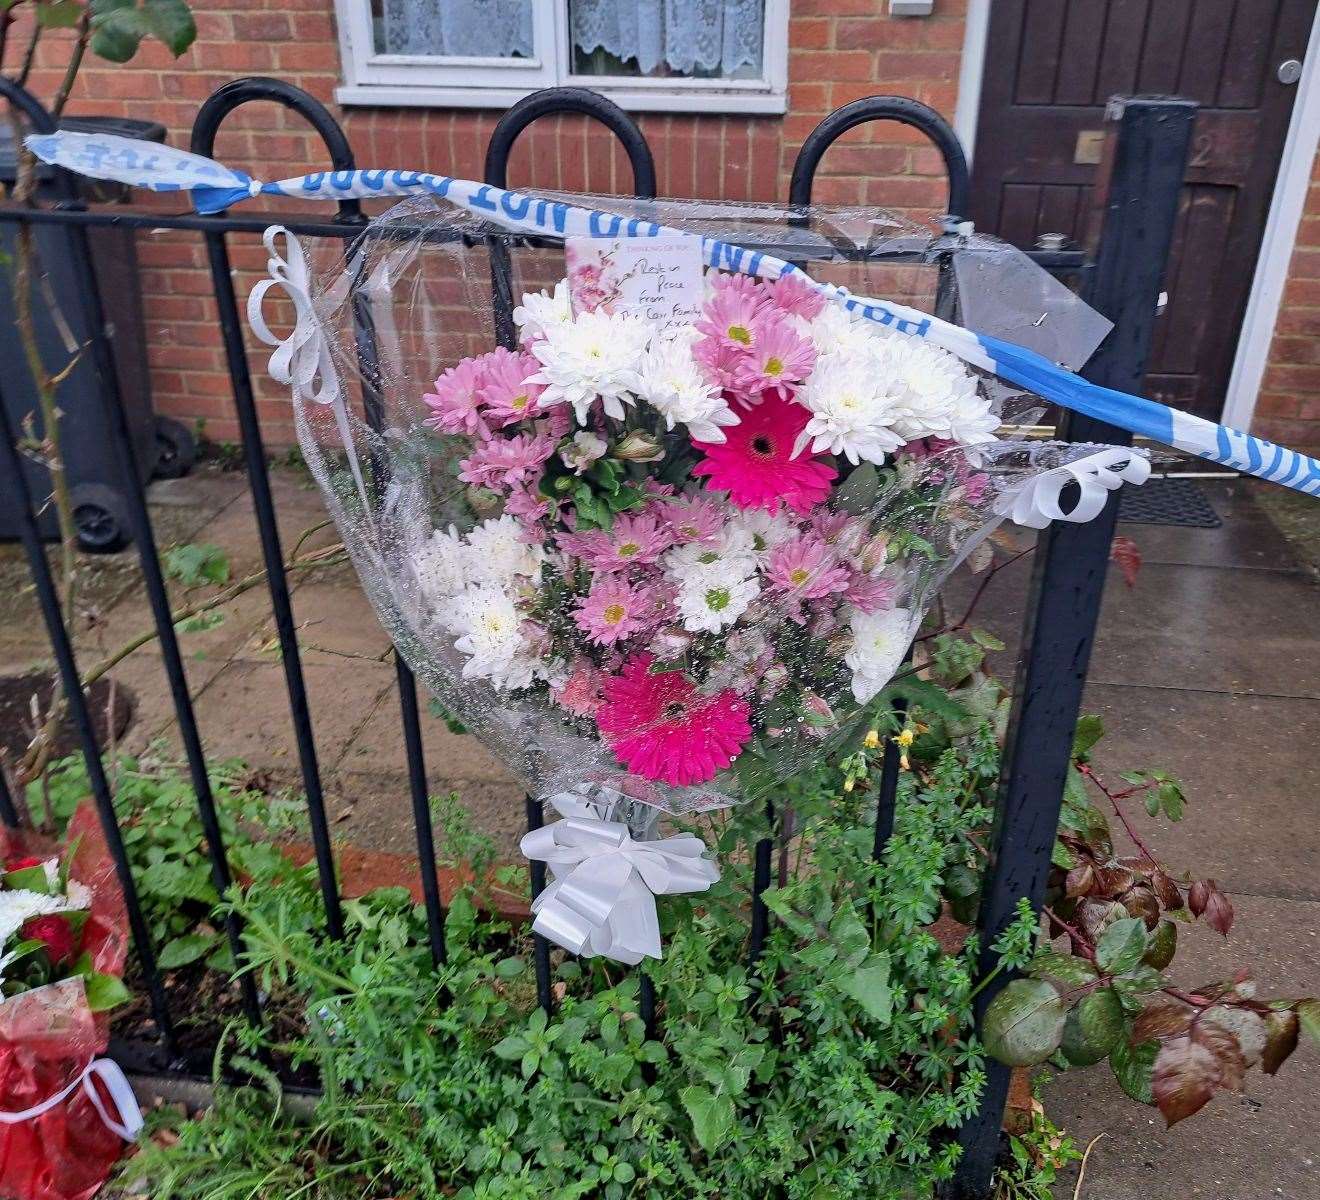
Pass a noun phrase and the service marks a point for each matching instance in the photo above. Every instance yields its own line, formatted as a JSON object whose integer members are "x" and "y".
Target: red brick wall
{"x": 1288, "y": 406}
{"x": 839, "y": 50}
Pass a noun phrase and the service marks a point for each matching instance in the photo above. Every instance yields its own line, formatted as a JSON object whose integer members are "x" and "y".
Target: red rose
{"x": 22, "y": 864}
{"x": 56, "y": 934}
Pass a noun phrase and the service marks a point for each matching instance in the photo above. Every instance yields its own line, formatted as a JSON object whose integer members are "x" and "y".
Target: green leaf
{"x": 1161, "y": 946}
{"x": 183, "y": 950}
{"x": 195, "y": 564}
{"x": 1093, "y": 1028}
{"x": 1071, "y": 970}
{"x": 850, "y": 935}
{"x": 1062, "y": 857}
{"x": 1023, "y": 1025}
{"x": 201, "y": 622}
{"x": 120, "y": 25}
{"x": 1308, "y": 1013}
{"x": 58, "y": 14}
{"x": 1134, "y": 1068}
{"x": 511, "y": 1048}
{"x": 711, "y": 1114}
{"x": 29, "y": 879}
{"x": 869, "y": 986}
{"x": 1090, "y": 729}
{"x": 1121, "y": 946}
{"x": 858, "y": 492}
{"x": 104, "y": 991}
{"x": 987, "y": 641}
{"x": 1171, "y": 800}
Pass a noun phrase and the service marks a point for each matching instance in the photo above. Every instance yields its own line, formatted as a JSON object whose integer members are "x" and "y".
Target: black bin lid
{"x": 151, "y": 131}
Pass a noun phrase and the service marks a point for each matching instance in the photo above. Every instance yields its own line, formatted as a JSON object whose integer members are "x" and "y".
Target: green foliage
{"x": 120, "y": 26}
{"x": 1038, "y": 1154}
{"x": 196, "y": 564}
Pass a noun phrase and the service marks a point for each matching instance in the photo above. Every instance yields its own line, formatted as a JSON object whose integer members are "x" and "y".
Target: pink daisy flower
{"x": 634, "y": 539}
{"x": 581, "y": 694}
{"x": 755, "y": 465}
{"x": 455, "y": 404}
{"x": 806, "y": 568}
{"x": 777, "y": 361}
{"x": 507, "y": 395}
{"x": 613, "y": 610}
{"x": 869, "y": 593}
{"x": 792, "y": 294}
{"x": 692, "y": 520}
{"x": 661, "y": 727}
{"x": 729, "y": 317}
{"x": 736, "y": 281}
{"x": 528, "y": 505}
{"x": 506, "y": 463}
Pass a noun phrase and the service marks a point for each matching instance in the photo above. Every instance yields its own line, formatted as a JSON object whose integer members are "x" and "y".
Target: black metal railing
{"x": 1123, "y": 269}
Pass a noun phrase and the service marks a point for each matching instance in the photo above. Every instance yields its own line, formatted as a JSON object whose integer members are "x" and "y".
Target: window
{"x": 662, "y": 55}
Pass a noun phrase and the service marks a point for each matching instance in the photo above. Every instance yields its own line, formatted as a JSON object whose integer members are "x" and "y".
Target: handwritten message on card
{"x": 658, "y": 278}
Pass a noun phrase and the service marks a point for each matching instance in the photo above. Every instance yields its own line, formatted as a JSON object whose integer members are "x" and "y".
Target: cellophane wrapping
{"x": 672, "y": 563}
{"x": 48, "y": 1035}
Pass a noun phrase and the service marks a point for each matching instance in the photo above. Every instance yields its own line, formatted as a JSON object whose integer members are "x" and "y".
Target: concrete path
{"x": 1209, "y": 667}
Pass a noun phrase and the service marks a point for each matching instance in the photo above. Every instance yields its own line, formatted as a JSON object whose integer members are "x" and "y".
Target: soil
{"x": 16, "y": 692}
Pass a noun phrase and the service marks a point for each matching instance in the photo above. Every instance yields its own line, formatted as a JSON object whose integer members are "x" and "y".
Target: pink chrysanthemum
{"x": 974, "y": 487}
{"x": 507, "y": 395}
{"x": 581, "y": 694}
{"x": 528, "y": 505}
{"x": 729, "y": 317}
{"x": 736, "y": 281}
{"x": 456, "y": 404}
{"x": 869, "y": 593}
{"x": 661, "y": 727}
{"x": 634, "y": 539}
{"x": 792, "y": 294}
{"x": 615, "y": 609}
{"x": 692, "y": 520}
{"x": 806, "y": 568}
{"x": 507, "y": 463}
{"x": 778, "y": 360}
{"x": 755, "y": 465}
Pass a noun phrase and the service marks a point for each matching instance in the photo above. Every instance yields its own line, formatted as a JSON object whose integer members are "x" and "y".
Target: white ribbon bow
{"x": 1036, "y": 503}
{"x": 128, "y": 1119}
{"x": 303, "y": 359}
{"x": 602, "y": 898}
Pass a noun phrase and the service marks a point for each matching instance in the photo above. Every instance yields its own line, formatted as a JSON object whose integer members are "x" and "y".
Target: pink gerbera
{"x": 692, "y": 520}
{"x": 614, "y": 610}
{"x": 806, "y": 568}
{"x": 506, "y": 463}
{"x": 634, "y": 539}
{"x": 456, "y": 404}
{"x": 661, "y": 727}
{"x": 791, "y": 293}
{"x": 506, "y": 393}
{"x": 755, "y": 465}
{"x": 778, "y": 360}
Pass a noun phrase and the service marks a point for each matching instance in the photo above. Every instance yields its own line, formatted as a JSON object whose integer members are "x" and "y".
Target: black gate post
{"x": 1146, "y": 158}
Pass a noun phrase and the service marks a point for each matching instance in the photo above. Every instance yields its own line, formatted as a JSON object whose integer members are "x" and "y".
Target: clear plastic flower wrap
{"x": 650, "y": 530}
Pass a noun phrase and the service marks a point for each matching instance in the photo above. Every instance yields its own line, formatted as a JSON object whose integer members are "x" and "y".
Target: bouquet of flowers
{"x": 657, "y": 534}
{"x": 64, "y": 1113}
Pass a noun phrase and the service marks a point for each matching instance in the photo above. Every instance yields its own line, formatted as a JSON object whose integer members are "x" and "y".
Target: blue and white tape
{"x": 214, "y": 187}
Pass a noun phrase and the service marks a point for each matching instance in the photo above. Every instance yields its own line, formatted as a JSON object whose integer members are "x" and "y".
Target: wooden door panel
{"x": 1051, "y": 66}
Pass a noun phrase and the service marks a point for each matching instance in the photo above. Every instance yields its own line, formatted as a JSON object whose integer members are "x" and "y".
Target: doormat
{"x": 1168, "y": 502}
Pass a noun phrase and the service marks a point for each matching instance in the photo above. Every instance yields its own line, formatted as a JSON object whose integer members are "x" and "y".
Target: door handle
{"x": 1289, "y": 71}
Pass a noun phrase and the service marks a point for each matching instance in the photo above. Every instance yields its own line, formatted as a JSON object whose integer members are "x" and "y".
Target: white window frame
{"x": 407, "y": 80}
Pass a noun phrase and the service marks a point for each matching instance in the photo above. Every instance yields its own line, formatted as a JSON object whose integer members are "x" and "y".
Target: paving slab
{"x": 336, "y": 622}
{"x": 1249, "y": 767}
{"x": 1261, "y": 1145}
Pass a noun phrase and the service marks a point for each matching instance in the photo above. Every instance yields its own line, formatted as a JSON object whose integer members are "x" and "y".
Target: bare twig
{"x": 1081, "y": 1170}
{"x": 31, "y": 55}
{"x": 75, "y": 61}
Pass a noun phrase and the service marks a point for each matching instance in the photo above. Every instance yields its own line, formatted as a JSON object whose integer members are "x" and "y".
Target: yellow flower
{"x": 872, "y": 739}
{"x": 905, "y": 738}
{"x": 848, "y": 784}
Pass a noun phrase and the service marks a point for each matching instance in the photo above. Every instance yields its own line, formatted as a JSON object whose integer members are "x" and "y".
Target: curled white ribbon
{"x": 602, "y": 898}
{"x": 1036, "y": 503}
{"x": 303, "y": 359}
{"x": 127, "y": 1121}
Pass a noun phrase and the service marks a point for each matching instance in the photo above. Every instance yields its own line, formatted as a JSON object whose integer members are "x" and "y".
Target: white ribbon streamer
{"x": 602, "y": 898}
{"x": 1036, "y": 503}
{"x": 127, "y": 1122}
{"x": 303, "y": 359}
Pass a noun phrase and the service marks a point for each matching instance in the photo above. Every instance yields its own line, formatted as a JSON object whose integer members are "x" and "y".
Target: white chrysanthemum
{"x": 972, "y": 423}
{"x": 880, "y": 640}
{"x": 838, "y": 330}
{"x": 488, "y": 626}
{"x": 767, "y": 530}
{"x": 441, "y": 565}
{"x": 729, "y": 556}
{"x": 539, "y": 312}
{"x": 18, "y": 906}
{"x": 498, "y": 554}
{"x": 852, "y": 409}
{"x": 928, "y": 385}
{"x": 708, "y": 603}
{"x": 595, "y": 355}
{"x": 672, "y": 383}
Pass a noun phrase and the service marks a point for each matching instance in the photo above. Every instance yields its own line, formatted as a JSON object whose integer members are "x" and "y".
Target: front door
{"x": 1050, "y": 67}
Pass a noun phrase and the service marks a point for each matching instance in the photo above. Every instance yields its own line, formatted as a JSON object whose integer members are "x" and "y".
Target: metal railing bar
{"x": 760, "y": 882}
{"x": 62, "y": 647}
{"x": 540, "y": 946}
{"x": 886, "y": 800}
{"x": 8, "y": 813}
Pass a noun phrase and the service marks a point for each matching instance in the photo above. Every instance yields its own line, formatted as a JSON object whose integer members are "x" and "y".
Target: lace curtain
{"x": 458, "y": 28}
{"x": 683, "y": 35}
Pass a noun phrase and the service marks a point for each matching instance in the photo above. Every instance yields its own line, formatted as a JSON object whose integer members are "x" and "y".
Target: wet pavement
{"x": 1209, "y": 667}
